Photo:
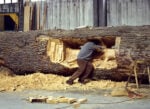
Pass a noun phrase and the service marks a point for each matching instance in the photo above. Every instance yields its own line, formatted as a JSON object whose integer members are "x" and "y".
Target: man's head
{"x": 95, "y": 41}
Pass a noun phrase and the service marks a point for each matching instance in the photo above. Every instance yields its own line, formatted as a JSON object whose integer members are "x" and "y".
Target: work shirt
{"x": 87, "y": 50}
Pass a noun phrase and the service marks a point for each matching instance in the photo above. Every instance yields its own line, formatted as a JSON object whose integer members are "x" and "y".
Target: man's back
{"x": 86, "y": 51}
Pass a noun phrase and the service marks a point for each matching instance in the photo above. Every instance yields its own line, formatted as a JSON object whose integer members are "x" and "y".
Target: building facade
{"x": 69, "y": 14}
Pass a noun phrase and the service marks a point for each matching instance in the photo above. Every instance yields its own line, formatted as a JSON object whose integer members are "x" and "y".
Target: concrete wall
{"x": 128, "y": 12}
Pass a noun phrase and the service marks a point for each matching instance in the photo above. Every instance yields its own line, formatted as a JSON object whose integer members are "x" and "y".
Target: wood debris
{"x": 56, "y": 100}
{"x": 37, "y": 99}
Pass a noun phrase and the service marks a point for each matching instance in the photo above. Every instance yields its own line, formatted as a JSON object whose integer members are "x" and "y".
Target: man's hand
{"x": 2, "y": 62}
{"x": 99, "y": 48}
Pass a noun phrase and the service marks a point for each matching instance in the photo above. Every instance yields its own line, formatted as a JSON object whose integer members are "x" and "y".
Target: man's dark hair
{"x": 95, "y": 41}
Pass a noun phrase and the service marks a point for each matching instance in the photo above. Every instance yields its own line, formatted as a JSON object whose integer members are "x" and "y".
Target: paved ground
{"x": 96, "y": 100}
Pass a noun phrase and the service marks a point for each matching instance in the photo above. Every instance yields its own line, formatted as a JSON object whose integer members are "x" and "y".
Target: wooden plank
{"x": 38, "y": 15}
{"x": 136, "y": 75}
{"x": 44, "y": 15}
{"x": 27, "y": 9}
{"x": 31, "y": 17}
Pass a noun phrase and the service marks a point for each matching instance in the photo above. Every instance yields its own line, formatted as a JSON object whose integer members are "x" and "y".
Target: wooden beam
{"x": 38, "y": 15}
{"x": 27, "y": 10}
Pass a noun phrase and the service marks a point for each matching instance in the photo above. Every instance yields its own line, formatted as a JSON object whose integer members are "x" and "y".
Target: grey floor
{"x": 96, "y": 100}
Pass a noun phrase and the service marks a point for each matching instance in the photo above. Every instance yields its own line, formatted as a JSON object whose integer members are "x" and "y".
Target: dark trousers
{"x": 84, "y": 71}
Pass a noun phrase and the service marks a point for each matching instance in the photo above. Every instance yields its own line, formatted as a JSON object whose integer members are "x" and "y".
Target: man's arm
{"x": 99, "y": 48}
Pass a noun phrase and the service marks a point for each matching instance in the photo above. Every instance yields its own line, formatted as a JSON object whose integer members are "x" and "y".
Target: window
{"x": 37, "y": 0}
{"x": 14, "y": 1}
{"x": 1, "y": 1}
{"x": 7, "y": 1}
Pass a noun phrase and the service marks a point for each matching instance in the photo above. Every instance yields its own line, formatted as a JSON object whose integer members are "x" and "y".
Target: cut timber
{"x": 27, "y": 10}
{"x": 38, "y": 15}
{"x": 136, "y": 75}
{"x": 55, "y": 51}
{"x": 44, "y": 15}
{"x": 31, "y": 17}
{"x": 61, "y": 100}
{"x": 52, "y": 100}
{"x": 37, "y": 99}
{"x": 83, "y": 100}
{"x": 79, "y": 102}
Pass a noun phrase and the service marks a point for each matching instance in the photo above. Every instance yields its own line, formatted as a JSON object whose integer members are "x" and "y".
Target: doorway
{"x": 9, "y": 24}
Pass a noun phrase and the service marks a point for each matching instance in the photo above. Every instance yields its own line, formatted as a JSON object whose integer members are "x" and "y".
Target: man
{"x": 84, "y": 59}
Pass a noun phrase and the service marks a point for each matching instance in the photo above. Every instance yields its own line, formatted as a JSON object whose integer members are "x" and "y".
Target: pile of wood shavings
{"x": 50, "y": 82}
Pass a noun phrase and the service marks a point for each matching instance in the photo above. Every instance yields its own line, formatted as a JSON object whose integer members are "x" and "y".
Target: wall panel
{"x": 128, "y": 12}
{"x": 67, "y": 14}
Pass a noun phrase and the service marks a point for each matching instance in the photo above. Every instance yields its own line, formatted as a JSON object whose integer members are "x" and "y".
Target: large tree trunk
{"x": 55, "y": 51}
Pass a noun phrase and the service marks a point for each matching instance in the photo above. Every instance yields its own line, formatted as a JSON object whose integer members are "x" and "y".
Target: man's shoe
{"x": 70, "y": 82}
{"x": 83, "y": 81}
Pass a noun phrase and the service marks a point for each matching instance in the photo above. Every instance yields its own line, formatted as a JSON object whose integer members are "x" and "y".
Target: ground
{"x": 38, "y": 80}
{"x": 15, "y": 89}
{"x": 96, "y": 100}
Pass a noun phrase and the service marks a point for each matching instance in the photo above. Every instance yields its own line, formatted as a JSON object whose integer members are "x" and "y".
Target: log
{"x": 55, "y": 51}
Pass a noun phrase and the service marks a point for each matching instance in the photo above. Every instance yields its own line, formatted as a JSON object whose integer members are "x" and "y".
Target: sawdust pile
{"x": 9, "y": 82}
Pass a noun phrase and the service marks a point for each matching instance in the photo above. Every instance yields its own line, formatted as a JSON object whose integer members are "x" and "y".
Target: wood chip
{"x": 83, "y": 100}
{"x": 51, "y": 101}
{"x": 37, "y": 99}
